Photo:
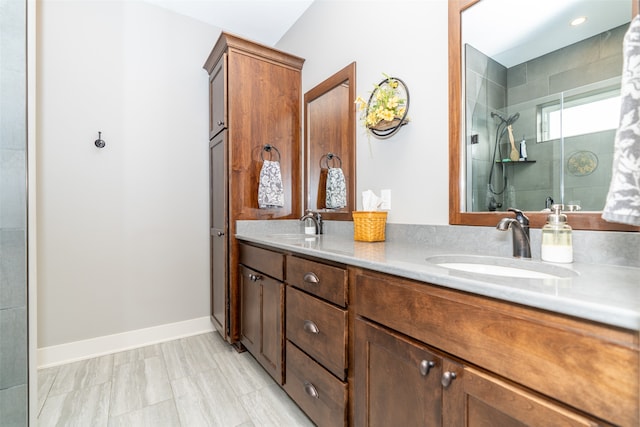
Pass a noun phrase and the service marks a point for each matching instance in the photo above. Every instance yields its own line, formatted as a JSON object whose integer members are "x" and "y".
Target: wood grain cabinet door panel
{"x": 397, "y": 380}
{"x": 261, "y": 326}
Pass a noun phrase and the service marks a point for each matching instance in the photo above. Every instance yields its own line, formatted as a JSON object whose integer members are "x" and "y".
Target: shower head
{"x": 512, "y": 119}
{"x": 508, "y": 121}
{"x": 494, "y": 114}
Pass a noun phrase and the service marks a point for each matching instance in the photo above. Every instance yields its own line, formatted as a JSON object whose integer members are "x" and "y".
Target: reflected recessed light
{"x": 578, "y": 21}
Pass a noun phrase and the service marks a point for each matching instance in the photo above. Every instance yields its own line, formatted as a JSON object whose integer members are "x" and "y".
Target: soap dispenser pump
{"x": 557, "y": 243}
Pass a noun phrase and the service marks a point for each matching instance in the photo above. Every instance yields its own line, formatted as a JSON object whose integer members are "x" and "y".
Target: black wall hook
{"x": 99, "y": 142}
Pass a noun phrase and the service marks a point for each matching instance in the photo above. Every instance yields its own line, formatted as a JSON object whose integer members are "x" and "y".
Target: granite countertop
{"x": 609, "y": 294}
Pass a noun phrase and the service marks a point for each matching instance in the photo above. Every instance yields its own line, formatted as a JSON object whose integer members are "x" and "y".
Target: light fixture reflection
{"x": 578, "y": 21}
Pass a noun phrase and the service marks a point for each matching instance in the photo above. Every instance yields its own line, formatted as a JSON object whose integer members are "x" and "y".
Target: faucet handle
{"x": 520, "y": 216}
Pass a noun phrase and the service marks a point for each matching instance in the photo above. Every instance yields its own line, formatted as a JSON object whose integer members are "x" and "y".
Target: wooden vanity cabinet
{"x": 317, "y": 339}
{"x": 512, "y": 365}
{"x": 254, "y": 101}
{"x": 262, "y": 316}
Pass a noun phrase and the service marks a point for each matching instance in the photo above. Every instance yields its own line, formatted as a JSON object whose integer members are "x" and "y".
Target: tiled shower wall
{"x": 13, "y": 215}
{"x": 521, "y": 89}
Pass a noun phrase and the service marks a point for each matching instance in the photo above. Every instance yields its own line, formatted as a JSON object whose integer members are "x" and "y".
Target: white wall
{"x": 122, "y": 230}
{"x": 406, "y": 39}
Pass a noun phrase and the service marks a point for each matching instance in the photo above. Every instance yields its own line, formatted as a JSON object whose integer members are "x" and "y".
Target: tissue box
{"x": 369, "y": 226}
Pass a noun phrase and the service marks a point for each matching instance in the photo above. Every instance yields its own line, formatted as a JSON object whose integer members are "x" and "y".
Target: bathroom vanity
{"x": 378, "y": 335}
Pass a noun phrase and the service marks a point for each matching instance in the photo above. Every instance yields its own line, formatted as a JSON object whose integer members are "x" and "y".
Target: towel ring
{"x": 268, "y": 149}
{"x": 332, "y": 157}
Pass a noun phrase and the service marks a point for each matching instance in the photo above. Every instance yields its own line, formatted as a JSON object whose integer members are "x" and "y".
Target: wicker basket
{"x": 369, "y": 226}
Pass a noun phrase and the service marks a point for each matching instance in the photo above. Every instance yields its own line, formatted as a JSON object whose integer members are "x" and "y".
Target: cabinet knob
{"x": 311, "y": 278}
{"x": 220, "y": 123}
{"x": 311, "y": 327}
{"x": 254, "y": 277}
{"x": 220, "y": 233}
{"x": 311, "y": 390}
{"x": 425, "y": 367}
{"x": 447, "y": 377}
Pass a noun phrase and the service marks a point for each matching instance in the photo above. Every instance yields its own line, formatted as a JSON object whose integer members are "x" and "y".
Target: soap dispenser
{"x": 556, "y": 237}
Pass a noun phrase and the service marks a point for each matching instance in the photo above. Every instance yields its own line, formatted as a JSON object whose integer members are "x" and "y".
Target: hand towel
{"x": 623, "y": 199}
{"x": 336, "y": 189}
{"x": 270, "y": 189}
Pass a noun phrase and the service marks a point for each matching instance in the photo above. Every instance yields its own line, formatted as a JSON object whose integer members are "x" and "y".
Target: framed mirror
{"x": 329, "y": 146}
{"x": 515, "y": 88}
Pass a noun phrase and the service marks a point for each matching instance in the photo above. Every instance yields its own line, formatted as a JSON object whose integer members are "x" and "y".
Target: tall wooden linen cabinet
{"x": 254, "y": 115}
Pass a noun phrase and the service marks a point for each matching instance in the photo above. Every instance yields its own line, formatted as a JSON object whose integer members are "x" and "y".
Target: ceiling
{"x": 515, "y": 31}
{"x": 264, "y": 21}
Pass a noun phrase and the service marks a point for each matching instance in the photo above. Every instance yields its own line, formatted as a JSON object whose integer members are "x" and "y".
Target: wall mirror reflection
{"x": 540, "y": 104}
{"x": 329, "y": 124}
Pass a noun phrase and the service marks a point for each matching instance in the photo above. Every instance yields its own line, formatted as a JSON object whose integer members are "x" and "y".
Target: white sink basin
{"x": 496, "y": 270}
{"x": 504, "y": 267}
{"x": 293, "y": 236}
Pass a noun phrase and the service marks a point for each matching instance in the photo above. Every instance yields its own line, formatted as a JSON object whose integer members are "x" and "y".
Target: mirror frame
{"x": 348, "y": 74}
{"x": 577, "y": 220}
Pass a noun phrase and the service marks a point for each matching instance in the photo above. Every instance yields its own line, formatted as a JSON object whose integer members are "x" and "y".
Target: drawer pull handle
{"x": 311, "y": 327}
{"x": 220, "y": 233}
{"x": 220, "y": 123}
{"x": 254, "y": 277}
{"x": 311, "y": 390}
{"x": 447, "y": 377}
{"x": 311, "y": 278}
{"x": 425, "y": 367}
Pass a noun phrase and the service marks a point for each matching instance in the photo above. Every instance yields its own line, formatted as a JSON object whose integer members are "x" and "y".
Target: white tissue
{"x": 370, "y": 202}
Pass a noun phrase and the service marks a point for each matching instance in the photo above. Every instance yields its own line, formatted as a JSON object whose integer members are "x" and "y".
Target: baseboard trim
{"x": 99, "y": 346}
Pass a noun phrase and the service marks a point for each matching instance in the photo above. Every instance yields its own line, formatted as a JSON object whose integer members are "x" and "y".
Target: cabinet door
{"x": 219, "y": 240}
{"x": 218, "y": 97}
{"x": 261, "y": 326}
{"x": 397, "y": 380}
{"x": 272, "y": 325}
{"x": 482, "y": 400}
{"x": 250, "y": 309}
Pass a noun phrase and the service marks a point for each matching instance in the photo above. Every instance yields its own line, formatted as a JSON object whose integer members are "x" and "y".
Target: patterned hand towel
{"x": 623, "y": 200}
{"x": 270, "y": 189}
{"x": 336, "y": 189}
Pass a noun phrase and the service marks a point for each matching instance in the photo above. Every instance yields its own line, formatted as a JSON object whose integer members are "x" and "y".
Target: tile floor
{"x": 189, "y": 382}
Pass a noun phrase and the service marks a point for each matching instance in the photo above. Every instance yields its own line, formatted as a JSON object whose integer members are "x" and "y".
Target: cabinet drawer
{"x": 592, "y": 367}
{"x": 325, "y": 281}
{"x": 263, "y": 260}
{"x": 318, "y": 328}
{"x": 320, "y": 395}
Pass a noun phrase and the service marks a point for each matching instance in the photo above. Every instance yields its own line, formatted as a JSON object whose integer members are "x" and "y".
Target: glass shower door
{"x": 13, "y": 215}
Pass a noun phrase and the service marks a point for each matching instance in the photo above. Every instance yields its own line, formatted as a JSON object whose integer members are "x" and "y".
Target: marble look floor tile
{"x": 243, "y": 372}
{"x": 82, "y": 374}
{"x": 88, "y": 406}
{"x": 219, "y": 344}
{"x": 45, "y": 381}
{"x": 195, "y": 397}
{"x": 137, "y": 354}
{"x": 162, "y": 414}
{"x": 270, "y": 406}
{"x": 139, "y": 384}
{"x": 189, "y": 356}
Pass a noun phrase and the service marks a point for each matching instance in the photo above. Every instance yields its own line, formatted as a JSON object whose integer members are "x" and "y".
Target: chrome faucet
{"x": 317, "y": 220}
{"x": 520, "y": 233}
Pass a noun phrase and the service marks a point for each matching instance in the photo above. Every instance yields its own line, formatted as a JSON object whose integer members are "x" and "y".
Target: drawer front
{"x": 590, "y": 367}
{"x": 318, "y": 328}
{"x": 320, "y": 395}
{"x": 263, "y": 260}
{"x": 325, "y": 281}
